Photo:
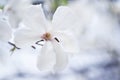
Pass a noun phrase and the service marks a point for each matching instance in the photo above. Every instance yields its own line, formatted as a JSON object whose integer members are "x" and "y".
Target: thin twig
{"x": 14, "y": 47}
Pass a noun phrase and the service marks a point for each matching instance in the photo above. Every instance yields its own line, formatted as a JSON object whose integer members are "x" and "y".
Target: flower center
{"x": 47, "y": 36}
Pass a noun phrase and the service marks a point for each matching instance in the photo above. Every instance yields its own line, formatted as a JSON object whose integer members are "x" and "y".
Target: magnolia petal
{"x": 64, "y": 18}
{"x": 16, "y": 5}
{"x": 15, "y": 10}
{"x": 46, "y": 59}
{"x": 68, "y": 42}
{"x": 61, "y": 57}
{"x": 25, "y": 37}
{"x": 14, "y": 20}
{"x": 5, "y": 31}
{"x": 35, "y": 18}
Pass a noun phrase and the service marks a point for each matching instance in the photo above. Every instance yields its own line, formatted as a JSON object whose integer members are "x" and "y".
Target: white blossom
{"x": 58, "y": 37}
{"x": 15, "y": 9}
{"x": 5, "y": 30}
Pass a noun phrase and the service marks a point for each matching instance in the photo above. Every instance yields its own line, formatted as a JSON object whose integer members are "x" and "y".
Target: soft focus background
{"x": 92, "y": 64}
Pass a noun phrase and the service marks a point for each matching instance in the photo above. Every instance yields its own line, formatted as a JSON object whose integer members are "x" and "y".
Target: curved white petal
{"x": 68, "y": 42}
{"x": 14, "y": 20}
{"x": 35, "y": 18}
{"x": 46, "y": 59}
{"x": 5, "y": 30}
{"x": 25, "y": 37}
{"x": 61, "y": 57}
{"x": 15, "y": 9}
{"x": 16, "y": 5}
{"x": 64, "y": 18}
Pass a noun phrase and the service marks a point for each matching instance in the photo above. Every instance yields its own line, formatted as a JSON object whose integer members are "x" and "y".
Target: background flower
{"x": 16, "y": 11}
{"x": 5, "y": 30}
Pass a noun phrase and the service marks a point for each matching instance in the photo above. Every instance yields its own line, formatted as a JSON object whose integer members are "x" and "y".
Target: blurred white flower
{"x": 5, "y": 36}
{"x": 15, "y": 9}
{"x": 99, "y": 29}
{"x": 98, "y": 35}
{"x": 5, "y": 30}
{"x": 57, "y": 36}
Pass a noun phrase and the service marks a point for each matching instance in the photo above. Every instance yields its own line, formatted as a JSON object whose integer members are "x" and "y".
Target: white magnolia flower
{"x": 5, "y": 30}
{"x": 57, "y": 35}
{"x": 15, "y": 9}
